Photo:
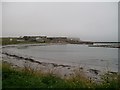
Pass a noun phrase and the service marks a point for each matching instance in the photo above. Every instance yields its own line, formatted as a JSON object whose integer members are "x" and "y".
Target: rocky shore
{"x": 106, "y": 46}
{"x": 62, "y": 70}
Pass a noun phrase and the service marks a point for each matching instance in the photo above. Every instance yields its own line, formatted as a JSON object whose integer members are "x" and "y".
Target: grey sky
{"x": 0, "y": 19}
{"x": 86, "y": 20}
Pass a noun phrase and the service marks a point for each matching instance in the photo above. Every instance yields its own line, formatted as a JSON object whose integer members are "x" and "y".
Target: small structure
{"x": 20, "y": 39}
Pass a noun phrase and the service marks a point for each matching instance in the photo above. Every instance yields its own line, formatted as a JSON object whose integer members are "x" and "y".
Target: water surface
{"x": 90, "y": 57}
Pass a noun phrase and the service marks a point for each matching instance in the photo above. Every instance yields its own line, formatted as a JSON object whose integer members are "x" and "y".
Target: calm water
{"x": 91, "y": 57}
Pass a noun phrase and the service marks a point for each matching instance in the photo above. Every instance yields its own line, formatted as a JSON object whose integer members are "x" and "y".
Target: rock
{"x": 101, "y": 60}
{"x": 94, "y": 71}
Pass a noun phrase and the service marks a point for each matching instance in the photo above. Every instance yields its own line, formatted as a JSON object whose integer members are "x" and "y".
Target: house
{"x": 20, "y": 39}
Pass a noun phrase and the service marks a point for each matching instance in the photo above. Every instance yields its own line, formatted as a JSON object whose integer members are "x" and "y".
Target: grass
{"x": 110, "y": 81}
{"x": 0, "y": 74}
{"x": 29, "y": 78}
{"x": 6, "y": 41}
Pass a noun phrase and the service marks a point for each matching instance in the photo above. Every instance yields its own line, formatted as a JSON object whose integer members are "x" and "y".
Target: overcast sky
{"x": 94, "y": 21}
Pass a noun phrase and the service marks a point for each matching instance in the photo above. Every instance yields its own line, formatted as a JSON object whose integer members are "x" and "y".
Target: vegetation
{"x": 0, "y": 74}
{"x": 29, "y": 78}
{"x": 7, "y": 41}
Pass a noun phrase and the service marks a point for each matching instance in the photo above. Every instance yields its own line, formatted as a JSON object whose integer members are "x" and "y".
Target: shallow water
{"x": 90, "y": 57}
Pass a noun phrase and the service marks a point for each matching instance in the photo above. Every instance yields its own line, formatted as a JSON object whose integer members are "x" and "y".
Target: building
{"x": 20, "y": 39}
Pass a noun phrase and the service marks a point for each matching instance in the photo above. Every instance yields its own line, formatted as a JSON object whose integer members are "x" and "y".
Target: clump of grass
{"x": 0, "y": 74}
{"x": 80, "y": 80}
{"x": 29, "y": 78}
{"x": 27, "y": 69}
{"x": 110, "y": 80}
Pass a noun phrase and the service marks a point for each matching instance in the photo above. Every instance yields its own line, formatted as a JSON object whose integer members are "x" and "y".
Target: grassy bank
{"x": 6, "y": 41}
{"x": 0, "y": 74}
{"x": 28, "y": 78}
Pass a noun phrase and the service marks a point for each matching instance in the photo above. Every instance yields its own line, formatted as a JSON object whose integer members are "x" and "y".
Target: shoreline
{"x": 57, "y": 69}
{"x": 63, "y": 70}
{"x": 43, "y": 44}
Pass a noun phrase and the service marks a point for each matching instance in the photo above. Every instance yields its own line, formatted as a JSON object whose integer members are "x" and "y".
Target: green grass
{"x": 6, "y": 41}
{"x": 110, "y": 81}
{"x": 0, "y": 74}
{"x": 27, "y": 78}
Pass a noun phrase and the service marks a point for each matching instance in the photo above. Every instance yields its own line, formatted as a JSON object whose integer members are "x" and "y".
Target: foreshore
{"x": 63, "y": 70}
